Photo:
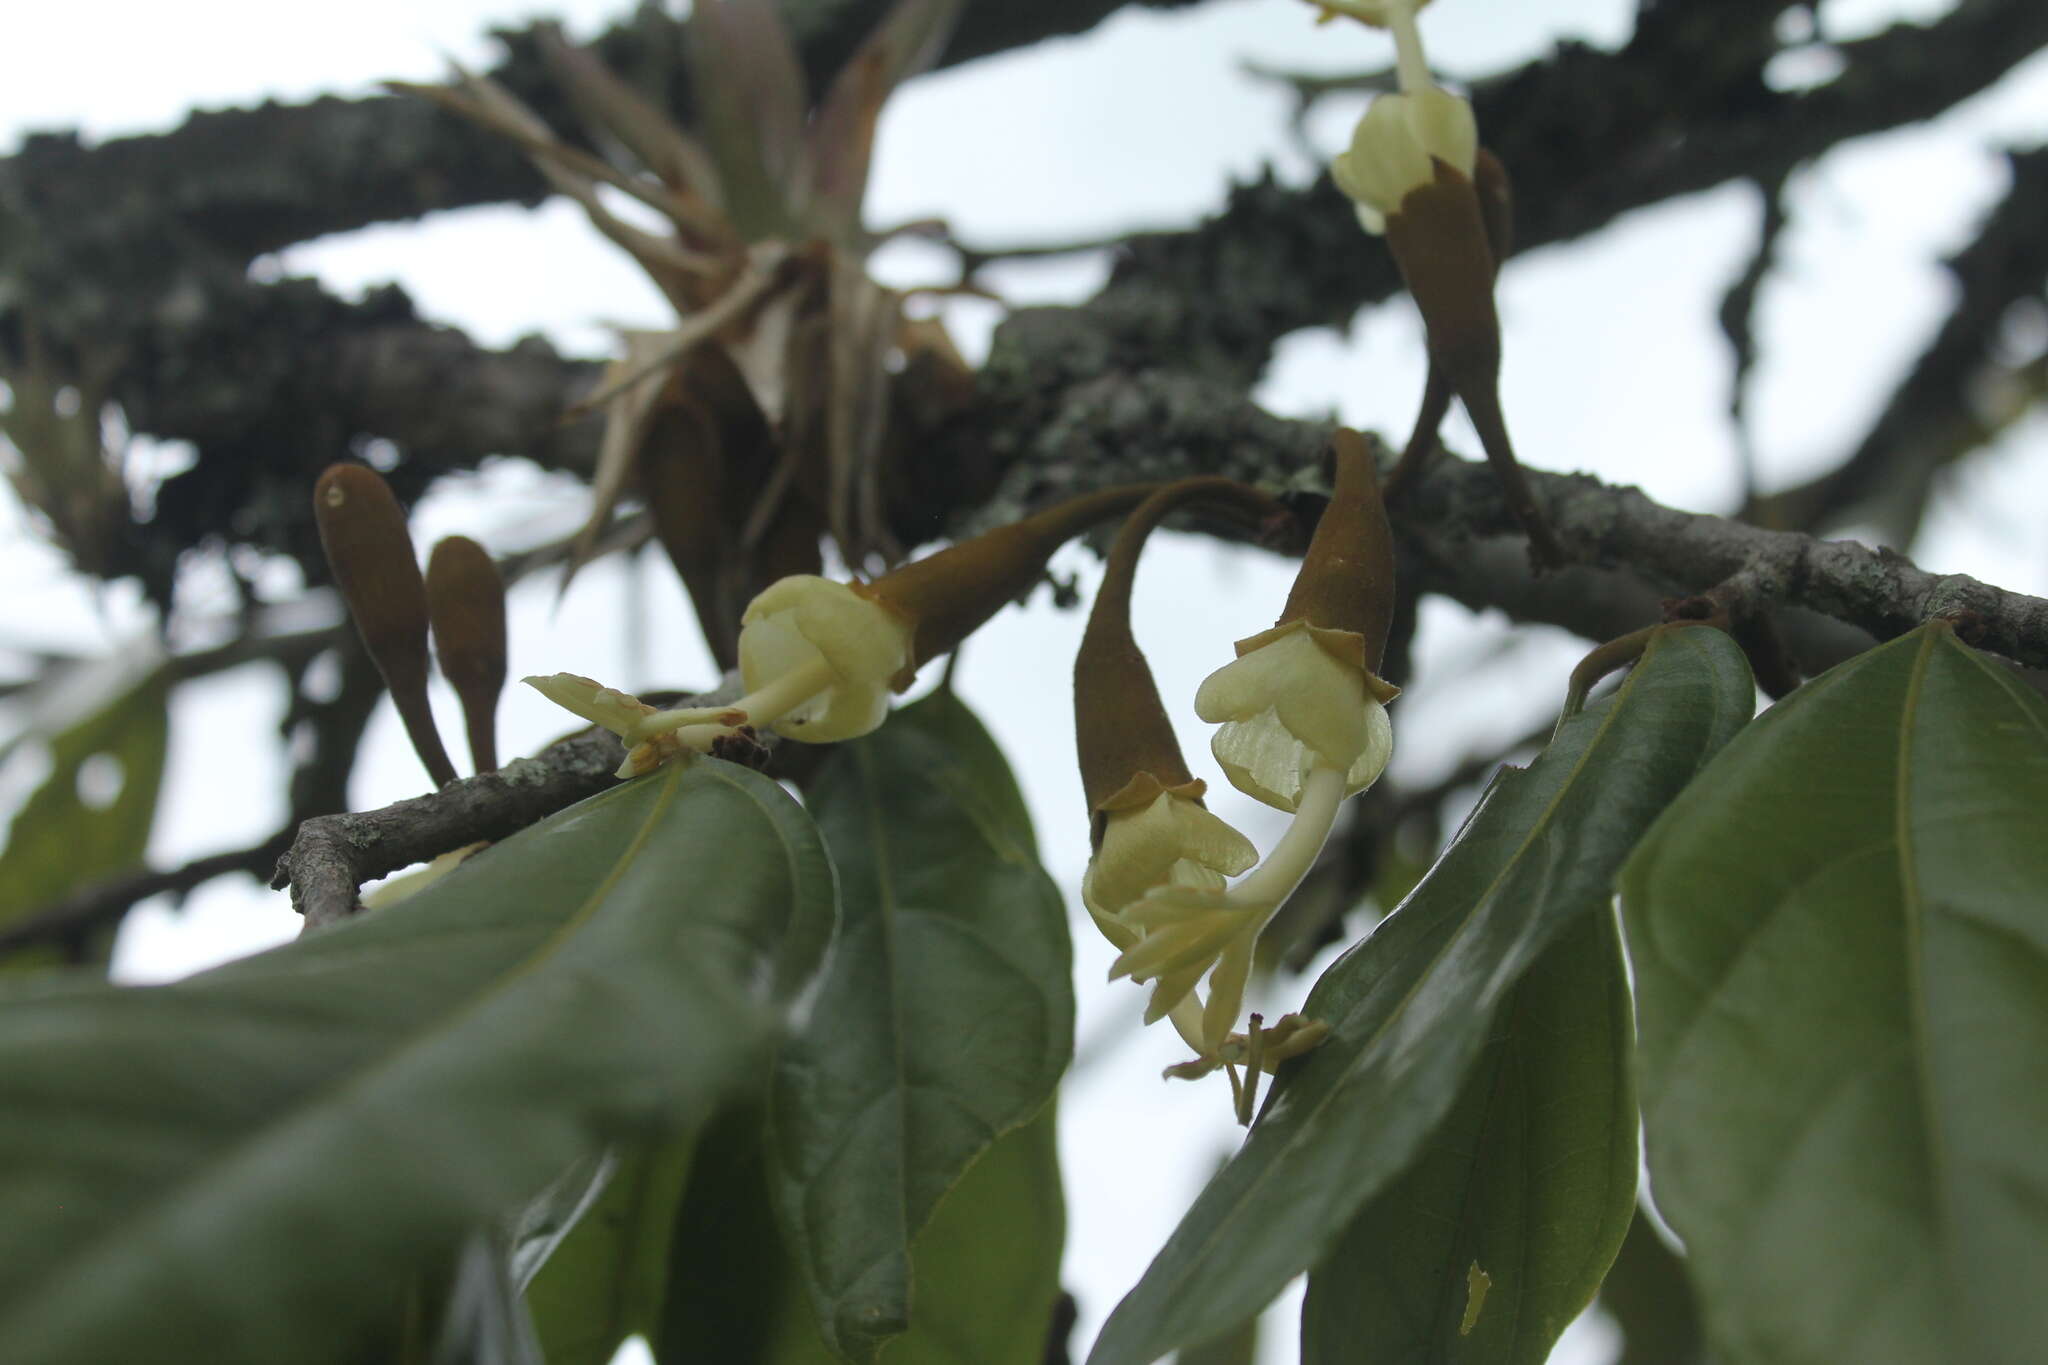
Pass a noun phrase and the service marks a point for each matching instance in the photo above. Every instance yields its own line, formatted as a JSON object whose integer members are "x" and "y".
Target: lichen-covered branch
{"x": 273, "y": 382}
{"x": 333, "y": 855}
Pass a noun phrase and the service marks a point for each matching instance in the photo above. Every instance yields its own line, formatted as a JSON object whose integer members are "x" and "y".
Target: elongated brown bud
{"x": 1497, "y": 212}
{"x": 952, "y": 594}
{"x": 466, "y": 604}
{"x": 362, "y": 529}
{"x": 1127, "y": 747}
{"x": 1346, "y": 582}
{"x": 1440, "y": 240}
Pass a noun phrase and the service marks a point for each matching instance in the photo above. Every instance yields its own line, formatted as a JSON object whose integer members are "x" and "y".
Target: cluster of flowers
{"x": 1301, "y": 716}
{"x": 1300, "y": 713}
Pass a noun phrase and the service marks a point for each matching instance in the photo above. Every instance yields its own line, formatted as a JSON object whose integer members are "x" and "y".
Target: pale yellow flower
{"x": 1294, "y": 700}
{"x": 1170, "y": 842}
{"x": 1188, "y": 929}
{"x": 820, "y": 639}
{"x": 1394, "y": 148}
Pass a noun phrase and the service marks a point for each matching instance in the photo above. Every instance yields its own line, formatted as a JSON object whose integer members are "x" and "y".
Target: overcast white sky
{"x": 1613, "y": 365}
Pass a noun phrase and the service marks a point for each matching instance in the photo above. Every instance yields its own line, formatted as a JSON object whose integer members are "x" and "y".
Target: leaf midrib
{"x": 1913, "y": 908}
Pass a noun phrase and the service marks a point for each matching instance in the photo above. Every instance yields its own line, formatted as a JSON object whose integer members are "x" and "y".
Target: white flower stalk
{"x": 1398, "y": 18}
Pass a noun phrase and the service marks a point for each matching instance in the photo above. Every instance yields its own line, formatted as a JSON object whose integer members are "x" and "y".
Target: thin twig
{"x": 89, "y": 908}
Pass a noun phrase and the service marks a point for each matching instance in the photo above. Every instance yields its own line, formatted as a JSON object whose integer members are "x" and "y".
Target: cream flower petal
{"x": 1175, "y": 949}
{"x": 1171, "y": 840}
{"x": 1113, "y": 928}
{"x": 1226, "y": 992}
{"x": 1171, "y": 989}
{"x": 1287, "y": 707}
{"x": 1392, "y": 149}
{"x": 586, "y": 697}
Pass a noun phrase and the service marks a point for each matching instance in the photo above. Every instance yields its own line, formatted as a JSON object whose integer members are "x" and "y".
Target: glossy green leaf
{"x": 1411, "y": 1006}
{"x": 1487, "y": 1247}
{"x": 247, "y": 1165}
{"x": 1238, "y": 1346}
{"x": 987, "y": 1265}
{"x": 1650, "y": 1300}
{"x": 944, "y": 1020}
{"x": 1840, "y": 938}
{"x": 90, "y": 819}
{"x": 732, "y": 1297}
{"x": 608, "y": 1278}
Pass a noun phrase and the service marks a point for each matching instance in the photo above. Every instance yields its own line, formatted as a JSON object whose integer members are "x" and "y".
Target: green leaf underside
{"x": 1529, "y": 1182}
{"x": 1411, "y": 1006}
{"x": 944, "y": 1020}
{"x": 1840, "y": 939}
{"x": 246, "y": 1165}
{"x": 57, "y": 843}
{"x": 986, "y": 1264}
{"x": 607, "y": 1280}
{"x": 731, "y": 1290}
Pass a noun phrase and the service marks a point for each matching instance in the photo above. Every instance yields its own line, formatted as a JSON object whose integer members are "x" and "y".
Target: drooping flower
{"x": 1305, "y": 695}
{"x": 1410, "y": 171}
{"x": 1170, "y": 841}
{"x": 1296, "y": 699}
{"x": 1147, "y": 823}
{"x": 1303, "y": 716}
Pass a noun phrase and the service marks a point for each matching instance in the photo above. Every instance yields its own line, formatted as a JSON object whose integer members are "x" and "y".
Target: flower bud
{"x": 362, "y": 530}
{"x": 953, "y": 593}
{"x": 466, "y": 607}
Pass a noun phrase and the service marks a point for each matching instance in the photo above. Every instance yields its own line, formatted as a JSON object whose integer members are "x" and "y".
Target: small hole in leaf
{"x": 100, "y": 779}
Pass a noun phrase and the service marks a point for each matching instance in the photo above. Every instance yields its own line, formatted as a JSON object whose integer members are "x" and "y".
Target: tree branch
{"x": 1589, "y": 136}
{"x": 332, "y": 855}
{"x": 242, "y": 182}
{"x": 78, "y": 914}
